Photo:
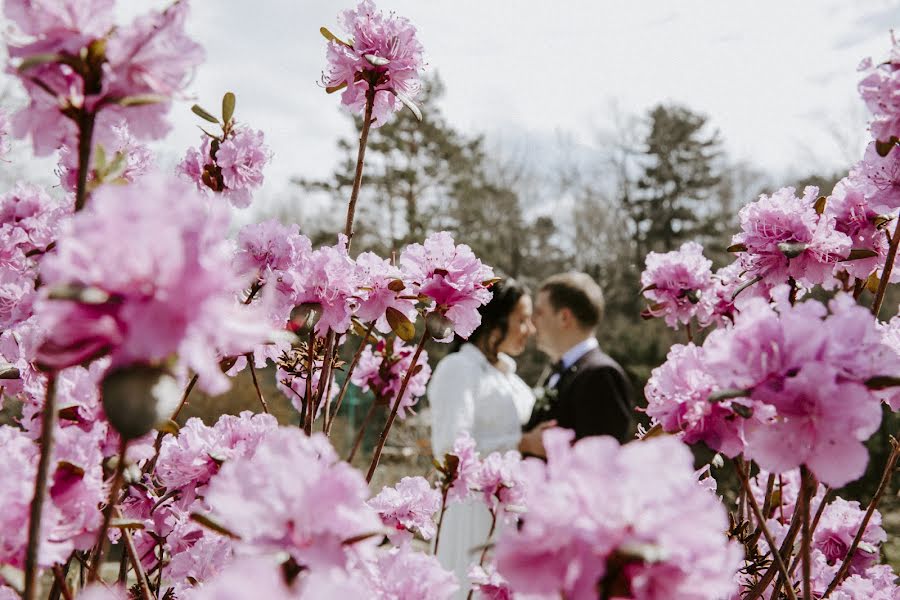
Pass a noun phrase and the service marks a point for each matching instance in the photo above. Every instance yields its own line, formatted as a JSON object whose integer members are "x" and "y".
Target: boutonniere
{"x": 544, "y": 397}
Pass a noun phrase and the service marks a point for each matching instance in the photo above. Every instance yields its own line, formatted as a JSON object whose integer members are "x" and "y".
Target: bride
{"x": 476, "y": 390}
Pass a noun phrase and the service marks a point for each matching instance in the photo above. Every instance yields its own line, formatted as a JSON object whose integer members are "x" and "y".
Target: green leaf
{"x": 117, "y": 166}
{"x": 402, "y": 326}
{"x": 408, "y": 103}
{"x": 142, "y": 100}
{"x": 126, "y": 524}
{"x": 212, "y": 525}
{"x": 99, "y": 158}
{"x": 736, "y": 248}
{"x": 792, "y": 249}
{"x": 8, "y": 371}
{"x": 228, "y": 102}
{"x": 860, "y": 253}
{"x": 884, "y": 148}
{"x": 396, "y": 286}
{"x": 647, "y": 288}
{"x": 331, "y": 37}
{"x": 882, "y": 382}
{"x": 36, "y": 60}
{"x": 820, "y": 204}
{"x": 198, "y": 110}
{"x": 727, "y": 394}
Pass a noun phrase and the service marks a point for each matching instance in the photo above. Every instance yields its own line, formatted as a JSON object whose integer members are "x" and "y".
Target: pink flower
{"x": 466, "y": 470}
{"x": 678, "y": 285}
{"x": 452, "y": 277}
{"x": 293, "y": 385}
{"x": 166, "y": 289}
{"x": 330, "y": 279}
{"x": 786, "y": 238}
{"x": 103, "y": 592}
{"x": 249, "y": 577}
{"x": 837, "y": 527}
{"x": 232, "y": 166}
{"x": 855, "y": 218}
{"x": 49, "y": 18}
{"x": 881, "y": 177}
{"x": 118, "y": 145}
{"x": 878, "y": 583}
{"x": 383, "y": 369}
{"x": 379, "y": 276}
{"x": 29, "y": 221}
{"x": 266, "y": 499}
{"x": 499, "y": 478}
{"x": 489, "y": 583}
{"x": 678, "y": 397}
{"x": 408, "y": 507}
{"x": 403, "y": 574}
{"x": 199, "y": 563}
{"x": 383, "y": 53}
{"x": 639, "y": 511}
{"x": 269, "y": 246}
{"x": 879, "y": 89}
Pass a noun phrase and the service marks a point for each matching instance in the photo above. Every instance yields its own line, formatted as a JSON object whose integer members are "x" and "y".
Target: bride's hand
{"x": 532, "y": 442}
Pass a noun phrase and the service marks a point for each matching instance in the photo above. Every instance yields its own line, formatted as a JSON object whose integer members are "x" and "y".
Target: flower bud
{"x": 438, "y": 326}
{"x": 305, "y": 316}
{"x": 135, "y": 398}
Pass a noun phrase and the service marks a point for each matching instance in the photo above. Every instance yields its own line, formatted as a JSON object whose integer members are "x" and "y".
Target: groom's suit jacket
{"x": 591, "y": 397}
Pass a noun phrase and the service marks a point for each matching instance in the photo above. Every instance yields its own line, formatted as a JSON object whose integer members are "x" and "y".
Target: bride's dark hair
{"x": 495, "y": 317}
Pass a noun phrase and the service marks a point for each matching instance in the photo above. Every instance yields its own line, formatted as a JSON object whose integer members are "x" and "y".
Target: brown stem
{"x": 346, "y": 384}
{"x": 489, "y": 536}
{"x": 308, "y": 401}
{"x": 688, "y": 332}
{"x": 362, "y": 431}
{"x": 387, "y": 426}
{"x": 48, "y": 423}
{"x": 325, "y": 376}
{"x": 135, "y": 562}
{"x": 85, "y": 137}
{"x": 60, "y": 580}
{"x": 259, "y": 393}
{"x": 886, "y": 272}
{"x": 882, "y": 486}
{"x": 360, "y": 159}
{"x": 157, "y": 445}
{"x": 787, "y": 548}
{"x": 437, "y": 535}
{"x": 184, "y": 397}
{"x": 806, "y": 482}
{"x": 812, "y": 528}
{"x": 114, "y": 489}
{"x": 767, "y": 507}
{"x": 776, "y": 554}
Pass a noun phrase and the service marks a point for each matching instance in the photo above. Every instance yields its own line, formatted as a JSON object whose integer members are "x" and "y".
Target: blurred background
{"x": 565, "y": 135}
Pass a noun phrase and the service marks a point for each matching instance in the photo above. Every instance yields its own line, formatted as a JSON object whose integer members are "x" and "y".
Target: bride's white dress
{"x": 467, "y": 393}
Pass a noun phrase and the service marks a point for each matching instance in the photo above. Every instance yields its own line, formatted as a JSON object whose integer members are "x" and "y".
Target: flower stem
{"x": 259, "y": 393}
{"x": 360, "y": 159}
{"x": 85, "y": 138}
{"x": 114, "y": 489}
{"x": 886, "y": 272}
{"x": 60, "y": 580}
{"x": 48, "y": 423}
{"x": 308, "y": 417}
{"x": 776, "y": 554}
{"x": 437, "y": 535}
{"x": 135, "y": 562}
{"x": 882, "y": 486}
{"x": 387, "y": 426}
{"x": 806, "y": 482}
{"x": 362, "y": 431}
{"x": 346, "y": 384}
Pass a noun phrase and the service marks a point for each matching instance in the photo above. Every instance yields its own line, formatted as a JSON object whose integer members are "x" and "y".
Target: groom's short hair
{"x": 579, "y": 293}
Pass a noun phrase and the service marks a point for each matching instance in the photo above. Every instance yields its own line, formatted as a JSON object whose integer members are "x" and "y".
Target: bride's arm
{"x": 450, "y": 393}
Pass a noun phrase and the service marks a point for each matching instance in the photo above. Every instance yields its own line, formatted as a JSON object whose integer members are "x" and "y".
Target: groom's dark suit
{"x": 591, "y": 397}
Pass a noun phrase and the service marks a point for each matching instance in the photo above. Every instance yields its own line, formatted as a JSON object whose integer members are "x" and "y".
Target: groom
{"x": 586, "y": 391}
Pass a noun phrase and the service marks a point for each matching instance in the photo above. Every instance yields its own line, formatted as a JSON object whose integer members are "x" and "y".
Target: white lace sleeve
{"x": 451, "y": 394}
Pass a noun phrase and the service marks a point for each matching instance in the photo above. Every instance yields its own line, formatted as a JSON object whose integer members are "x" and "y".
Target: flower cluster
{"x": 408, "y": 507}
{"x": 879, "y": 91}
{"x": 644, "y": 528}
{"x": 678, "y": 284}
{"x": 382, "y": 368}
{"x": 383, "y": 58}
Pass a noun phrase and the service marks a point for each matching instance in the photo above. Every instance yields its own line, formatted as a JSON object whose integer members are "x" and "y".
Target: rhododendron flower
{"x": 381, "y": 370}
{"x": 452, "y": 277}
{"x": 640, "y": 516}
{"x": 466, "y": 469}
{"x": 119, "y": 146}
{"x": 249, "y": 577}
{"x": 266, "y": 499}
{"x": 500, "y": 480}
{"x": 855, "y": 217}
{"x": 408, "y": 507}
{"x": 382, "y": 53}
{"x": 879, "y": 89}
{"x": 233, "y": 166}
{"x": 403, "y": 574}
{"x": 837, "y": 527}
{"x": 881, "y": 177}
{"x": 330, "y": 279}
{"x": 29, "y": 221}
{"x": 268, "y": 248}
{"x": 489, "y": 584}
{"x": 168, "y": 287}
{"x": 784, "y": 237}
{"x": 877, "y": 583}
{"x": 380, "y": 280}
{"x": 678, "y": 285}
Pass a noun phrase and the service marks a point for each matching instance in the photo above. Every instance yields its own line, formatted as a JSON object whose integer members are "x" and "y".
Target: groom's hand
{"x": 532, "y": 442}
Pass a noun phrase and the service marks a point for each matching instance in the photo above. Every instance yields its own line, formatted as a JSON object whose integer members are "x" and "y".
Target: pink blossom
{"x": 638, "y": 507}
{"x": 786, "y": 238}
{"x": 167, "y": 288}
{"x": 103, "y": 592}
{"x": 330, "y": 279}
{"x": 199, "y": 563}
{"x": 678, "y": 398}
{"x": 489, "y": 584}
{"x": 890, "y": 332}
{"x": 232, "y": 166}
{"x": 879, "y": 89}
{"x": 403, "y": 574}
{"x": 118, "y": 144}
{"x": 837, "y": 527}
{"x": 382, "y": 52}
{"x": 855, "y": 218}
{"x": 408, "y": 507}
{"x": 452, "y": 277}
{"x": 381, "y": 370}
{"x": 678, "y": 285}
{"x": 379, "y": 276}
{"x": 877, "y": 583}
{"x": 29, "y": 221}
{"x": 466, "y": 470}
{"x": 266, "y": 499}
{"x": 499, "y": 478}
{"x": 249, "y": 577}
{"x": 48, "y": 18}
{"x": 293, "y": 385}
{"x": 270, "y": 247}
{"x": 881, "y": 177}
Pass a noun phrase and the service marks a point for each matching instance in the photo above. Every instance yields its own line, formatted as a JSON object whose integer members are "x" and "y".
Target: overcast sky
{"x": 774, "y": 76}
